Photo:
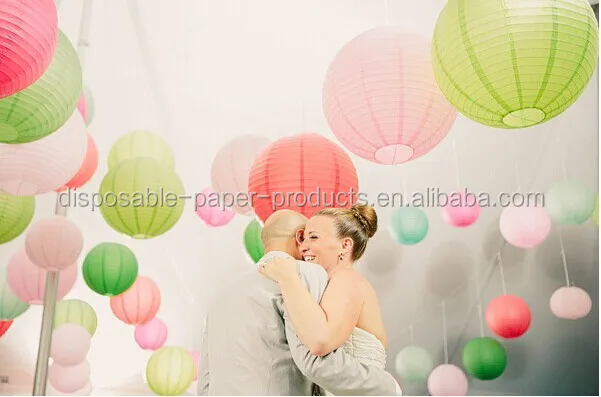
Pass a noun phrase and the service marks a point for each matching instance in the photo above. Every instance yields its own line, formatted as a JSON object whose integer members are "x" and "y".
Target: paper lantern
{"x": 81, "y": 106}
{"x": 231, "y": 167}
{"x": 595, "y": 215}
{"x": 28, "y": 281}
{"x": 196, "y": 358}
{"x": 4, "y": 326}
{"x": 170, "y": 371}
{"x": 152, "y": 335}
{"x": 16, "y": 214}
{"x": 447, "y": 380}
{"x": 571, "y": 303}
{"x": 484, "y": 358}
{"x": 524, "y": 227}
{"x": 76, "y": 311}
{"x": 44, "y": 165}
{"x": 44, "y": 106}
{"x": 110, "y": 269}
{"x": 139, "y": 304}
{"x": 461, "y": 210}
{"x": 414, "y": 364}
{"x": 143, "y": 144}
{"x": 11, "y": 306}
{"x": 381, "y": 100}
{"x": 142, "y": 198}
{"x": 212, "y": 209}
{"x": 514, "y": 64}
{"x": 27, "y": 42}
{"x": 84, "y": 391}
{"x": 508, "y": 316}
{"x": 87, "y": 168}
{"x": 303, "y": 173}
{"x": 69, "y": 379}
{"x": 54, "y": 243}
{"x": 408, "y": 225}
{"x": 570, "y": 203}
{"x": 253, "y": 244}
{"x": 70, "y": 345}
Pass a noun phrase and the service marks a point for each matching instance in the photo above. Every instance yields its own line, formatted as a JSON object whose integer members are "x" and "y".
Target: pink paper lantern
{"x": 69, "y": 379}
{"x": 525, "y": 227}
{"x": 28, "y": 281}
{"x": 70, "y": 344}
{"x": 84, "y": 391}
{"x": 381, "y": 100}
{"x": 139, "y": 304}
{"x": 81, "y": 106}
{"x": 571, "y": 303}
{"x": 461, "y": 209}
{"x": 27, "y": 42}
{"x": 196, "y": 358}
{"x": 152, "y": 335}
{"x": 212, "y": 209}
{"x": 447, "y": 380}
{"x": 54, "y": 243}
{"x": 87, "y": 168}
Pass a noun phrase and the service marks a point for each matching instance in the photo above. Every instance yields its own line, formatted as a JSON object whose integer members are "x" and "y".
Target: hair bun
{"x": 368, "y": 218}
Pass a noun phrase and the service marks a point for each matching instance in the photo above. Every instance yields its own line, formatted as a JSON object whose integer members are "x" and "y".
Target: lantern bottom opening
{"x": 141, "y": 236}
{"x": 8, "y": 133}
{"x": 394, "y": 154}
{"x": 526, "y": 117}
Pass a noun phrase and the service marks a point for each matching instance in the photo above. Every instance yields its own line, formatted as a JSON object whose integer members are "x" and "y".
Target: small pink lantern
{"x": 84, "y": 391}
{"x": 69, "y": 379}
{"x": 70, "y": 344}
{"x": 81, "y": 106}
{"x": 212, "y": 209}
{"x": 196, "y": 358}
{"x": 87, "y": 168}
{"x": 571, "y": 303}
{"x": 54, "y": 243}
{"x": 447, "y": 380}
{"x": 461, "y": 210}
{"x": 139, "y": 304}
{"x": 152, "y": 335}
{"x": 525, "y": 227}
{"x": 28, "y": 281}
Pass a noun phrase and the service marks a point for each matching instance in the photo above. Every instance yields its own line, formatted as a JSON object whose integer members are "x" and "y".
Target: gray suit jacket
{"x": 249, "y": 347}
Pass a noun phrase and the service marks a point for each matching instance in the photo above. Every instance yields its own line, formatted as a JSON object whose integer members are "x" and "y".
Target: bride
{"x": 348, "y": 315}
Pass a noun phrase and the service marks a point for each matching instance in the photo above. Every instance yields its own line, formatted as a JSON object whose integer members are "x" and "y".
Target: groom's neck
{"x": 292, "y": 251}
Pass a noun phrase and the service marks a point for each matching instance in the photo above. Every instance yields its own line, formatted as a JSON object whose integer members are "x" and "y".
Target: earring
{"x": 340, "y": 257}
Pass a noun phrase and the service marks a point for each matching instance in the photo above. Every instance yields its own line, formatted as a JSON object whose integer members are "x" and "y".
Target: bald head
{"x": 279, "y": 231}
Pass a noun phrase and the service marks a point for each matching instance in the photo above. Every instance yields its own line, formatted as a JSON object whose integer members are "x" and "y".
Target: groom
{"x": 249, "y": 346}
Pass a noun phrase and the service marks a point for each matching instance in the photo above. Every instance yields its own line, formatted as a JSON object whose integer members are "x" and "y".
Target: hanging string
{"x": 456, "y": 159}
{"x": 479, "y": 303}
{"x": 562, "y": 160}
{"x": 386, "y": 12}
{"x": 411, "y": 335}
{"x": 502, "y": 272}
{"x": 563, "y": 257}
{"x": 405, "y": 194}
{"x": 516, "y": 165}
{"x": 444, "y": 332}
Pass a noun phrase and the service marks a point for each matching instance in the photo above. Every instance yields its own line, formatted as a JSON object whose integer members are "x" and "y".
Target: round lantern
{"x": 28, "y": 281}
{"x": 253, "y": 244}
{"x": 27, "y": 42}
{"x": 110, "y": 269}
{"x": 54, "y": 243}
{"x": 69, "y": 379}
{"x": 484, "y": 358}
{"x": 212, "y": 209}
{"x": 570, "y": 203}
{"x": 196, "y": 358}
{"x": 16, "y": 214}
{"x": 139, "y": 304}
{"x": 152, "y": 335}
{"x": 461, "y": 210}
{"x": 170, "y": 371}
{"x": 138, "y": 144}
{"x": 381, "y": 100}
{"x": 44, "y": 106}
{"x": 231, "y": 167}
{"x": 44, "y": 165}
{"x": 142, "y": 198}
{"x": 595, "y": 215}
{"x": 75, "y": 311}
{"x": 84, "y": 391}
{"x": 506, "y": 64}
{"x": 87, "y": 168}
{"x": 11, "y": 306}
{"x": 4, "y": 326}
{"x": 303, "y": 173}
{"x": 571, "y": 303}
{"x": 414, "y": 364}
{"x": 447, "y": 380}
{"x": 524, "y": 227}
{"x": 508, "y": 316}
{"x": 409, "y": 225}
{"x": 70, "y": 345}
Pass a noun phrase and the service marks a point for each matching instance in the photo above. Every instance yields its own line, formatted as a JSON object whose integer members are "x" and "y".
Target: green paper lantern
{"x": 595, "y": 216}
{"x": 570, "y": 203}
{"x": 484, "y": 358}
{"x": 408, "y": 225}
{"x": 16, "y": 213}
{"x": 75, "y": 311}
{"x": 414, "y": 364}
{"x": 109, "y": 269}
{"x": 43, "y": 107}
{"x": 170, "y": 371}
{"x": 142, "y": 198}
{"x": 252, "y": 241}
{"x": 514, "y": 63}
{"x": 141, "y": 144}
{"x": 11, "y": 307}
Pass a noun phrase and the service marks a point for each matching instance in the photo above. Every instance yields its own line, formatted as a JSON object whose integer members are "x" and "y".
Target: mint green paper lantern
{"x": 11, "y": 307}
{"x": 484, "y": 358}
{"x": 514, "y": 63}
{"x": 170, "y": 371}
{"x": 44, "y": 106}
{"x": 414, "y": 364}
{"x": 252, "y": 241}
{"x": 16, "y": 213}
{"x": 408, "y": 225}
{"x": 109, "y": 269}
{"x": 570, "y": 203}
{"x": 595, "y": 216}
{"x": 76, "y": 311}
{"x": 138, "y": 144}
{"x": 142, "y": 198}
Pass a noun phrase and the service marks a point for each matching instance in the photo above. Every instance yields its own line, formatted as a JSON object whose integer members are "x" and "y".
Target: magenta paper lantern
{"x": 44, "y": 165}
{"x": 139, "y": 304}
{"x": 571, "y": 303}
{"x": 461, "y": 209}
{"x": 525, "y": 227}
{"x": 212, "y": 209}
{"x": 70, "y": 344}
{"x": 28, "y": 281}
{"x": 152, "y": 335}
{"x": 447, "y": 380}
{"x": 54, "y": 243}
{"x": 381, "y": 100}
{"x": 231, "y": 168}
{"x": 28, "y": 38}
{"x": 69, "y": 379}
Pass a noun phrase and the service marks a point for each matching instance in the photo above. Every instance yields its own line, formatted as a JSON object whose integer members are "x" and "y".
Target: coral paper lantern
{"x": 381, "y": 100}
{"x": 152, "y": 335}
{"x": 71, "y": 378}
{"x": 447, "y": 380}
{"x": 212, "y": 209}
{"x": 461, "y": 210}
{"x": 409, "y": 225}
{"x": 27, "y": 42}
{"x": 141, "y": 144}
{"x": 87, "y": 168}
{"x": 303, "y": 173}
{"x": 484, "y": 358}
{"x": 4, "y": 326}
{"x": 139, "y": 304}
{"x": 110, "y": 269}
{"x": 70, "y": 345}
{"x": 414, "y": 364}
{"x": 76, "y": 311}
{"x": 571, "y": 303}
{"x": 11, "y": 306}
{"x": 16, "y": 213}
{"x": 514, "y": 64}
{"x": 54, "y": 243}
{"x": 508, "y": 316}
{"x": 524, "y": 227}
{"x": 170, "y": 371}
{"x": 570, "y": 203}
{"x": 253, "y": 244}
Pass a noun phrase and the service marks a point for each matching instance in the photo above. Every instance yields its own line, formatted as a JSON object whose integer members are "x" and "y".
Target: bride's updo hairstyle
{"x": 359, "y": 223}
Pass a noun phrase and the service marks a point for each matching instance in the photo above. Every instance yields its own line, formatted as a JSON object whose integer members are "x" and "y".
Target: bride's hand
{"x": 279, "y": 269}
